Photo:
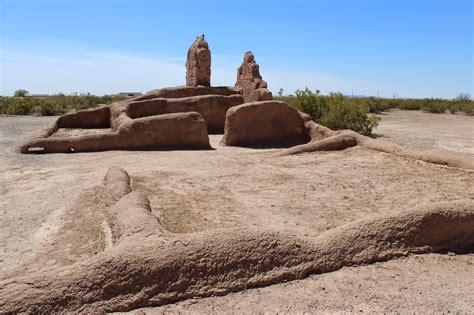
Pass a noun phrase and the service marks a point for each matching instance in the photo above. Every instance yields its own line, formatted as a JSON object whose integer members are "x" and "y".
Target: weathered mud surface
{"x": 197, "y": 192}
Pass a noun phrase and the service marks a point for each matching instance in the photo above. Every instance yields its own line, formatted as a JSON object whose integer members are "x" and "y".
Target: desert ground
{"x": 48, "y": 219}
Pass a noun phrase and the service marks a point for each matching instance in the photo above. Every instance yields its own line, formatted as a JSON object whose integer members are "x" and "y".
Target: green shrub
{"x": 49, "y": 108}
{"x": 335, "y": 111}
{"x": 19, "y": 106}
{"x": 466, "y": 107}
{"x": 341, "y": 113}
{"x": 462, "y": 103}
{"x": 375, "y": 105}
{"x": 4, "y": 103}
{"x": 58, "y": 104}
{"x": 410, "y": 105}
{"x": 311, "y": 103}
{"x": 434, "y": 106}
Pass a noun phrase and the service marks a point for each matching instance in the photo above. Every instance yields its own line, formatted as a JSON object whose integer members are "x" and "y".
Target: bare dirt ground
{"x": 301, "y": 195}
{"x": 425, "y": 131}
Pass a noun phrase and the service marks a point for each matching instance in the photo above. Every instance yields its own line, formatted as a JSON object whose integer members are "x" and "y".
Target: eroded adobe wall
{"x": 249, "y": 80}
{"x": 198, "y": 63}
{"x": 169, "y": 131}
{"x": 213, "y": 108}
{"x": 264, "y": 123}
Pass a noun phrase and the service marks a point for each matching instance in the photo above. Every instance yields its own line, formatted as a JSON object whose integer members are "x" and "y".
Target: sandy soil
{"x": 421, "y": 284}
{"x": 425, "y": 130}
{"x": 301, "y": 195}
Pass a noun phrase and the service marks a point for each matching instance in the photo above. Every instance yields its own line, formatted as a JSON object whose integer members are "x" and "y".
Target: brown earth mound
{"x": 211, "y": 103}
{"x": 325, "y": 139}
{"x": 187, "y": 91}
{"x": 263, "y": 123}
{"x": 149, "y": 266}
{"x": 87, "y": 118}
{"x": 211, "y": 107}
{"x": 178, "y": 130}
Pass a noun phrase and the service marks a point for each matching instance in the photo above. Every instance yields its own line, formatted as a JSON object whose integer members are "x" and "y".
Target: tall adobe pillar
{"x": 254, "y": 88}
{"x": 198, "y": 63}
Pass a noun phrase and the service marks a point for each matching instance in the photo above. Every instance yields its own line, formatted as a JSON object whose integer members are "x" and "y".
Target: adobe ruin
{"x": 254, "y": 88}
{"x": 170, "y": 118}
{"x": 182, "y": 117}
{"x": 198, "y": 63}
{"x": 147, "y": 265}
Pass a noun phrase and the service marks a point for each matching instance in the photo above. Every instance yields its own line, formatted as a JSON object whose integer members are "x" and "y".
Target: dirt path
{"x": 301, "y": 195}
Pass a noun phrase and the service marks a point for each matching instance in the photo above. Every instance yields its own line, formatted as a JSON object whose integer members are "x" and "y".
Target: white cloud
{"x": 57, "y": 66}
{"x": 95, "y": 72}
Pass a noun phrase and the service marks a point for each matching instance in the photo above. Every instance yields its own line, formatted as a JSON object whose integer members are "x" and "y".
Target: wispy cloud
{"x": 95, "y": 72}
{"x": 57, "y": 66}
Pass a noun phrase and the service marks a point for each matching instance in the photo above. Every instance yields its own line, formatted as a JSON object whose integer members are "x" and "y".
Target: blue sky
{"x": 418, "y": 48}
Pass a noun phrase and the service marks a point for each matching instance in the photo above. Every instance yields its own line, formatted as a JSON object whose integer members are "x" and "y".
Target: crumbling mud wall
{"x": 211, "y": 103}
{"x": 170, "y": 131}
{"x": 188, "y": 91}
{"x": 254, "y": 88}
{"x": 87, "y": 118}
{"x": 264, "y": 123}
{"x": 212, "y": 108}
{"x": 149, "y": 266}
{"x": 198, "y": 63}
{"x": 325, "y": 139}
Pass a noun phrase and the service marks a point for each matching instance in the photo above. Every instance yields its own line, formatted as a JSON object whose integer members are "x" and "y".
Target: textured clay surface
{"x": 352, "y": 230}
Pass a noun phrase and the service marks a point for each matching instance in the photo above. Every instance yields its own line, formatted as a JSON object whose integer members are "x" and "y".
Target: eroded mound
{"x": 148, "y": 266}
{"x": 177, "y": 130}
{"x": 325, "y": 139}
{"x": 263, "y": 123}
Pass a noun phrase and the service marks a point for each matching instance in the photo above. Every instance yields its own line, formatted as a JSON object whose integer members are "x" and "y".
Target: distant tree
{"x": 280, "y": 92}
{"x": 21, "y": 93}
{"x": 463, "y": 97}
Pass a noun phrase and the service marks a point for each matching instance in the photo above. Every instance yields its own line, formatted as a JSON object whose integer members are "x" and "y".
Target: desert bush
{"x": 467, "y": 108}
{"x": 334, "y": 111}
{"x": 410, "y": 104}
{"x": 434, "y": 106}
{"x": 462, "y": 103}
{"x": 4, "y": 103}
{"x": 53, "y": 105}
{"x": 311, "y": 103}
{"x": 49, "y": 108}
{"x": 341, "y": 113}
{"x": 19, "y": 106}
{"x": 375, "y": 105}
